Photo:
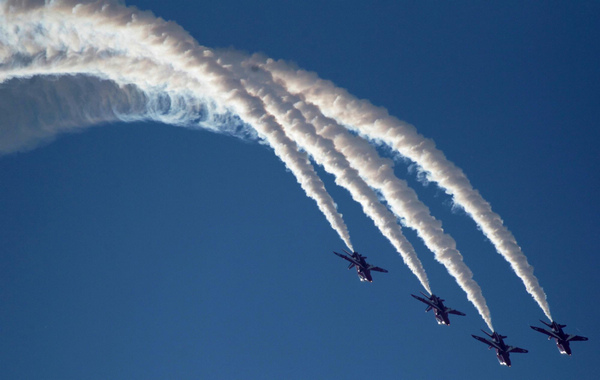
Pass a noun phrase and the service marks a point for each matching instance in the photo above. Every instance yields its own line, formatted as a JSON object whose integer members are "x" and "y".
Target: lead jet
{"x": 502, "y": 349}
{"x": 562, "y": 339}
{"x": 362, "y": 267}
{"x": 437, "y": 304}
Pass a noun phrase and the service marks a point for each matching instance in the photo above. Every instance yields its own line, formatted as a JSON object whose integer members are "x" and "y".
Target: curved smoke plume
{"x": 139, "y": 67}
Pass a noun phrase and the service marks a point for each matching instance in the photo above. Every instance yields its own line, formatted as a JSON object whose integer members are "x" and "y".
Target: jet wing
{"x": 377, "y": 269}
{"x": 430, "y": 305}
{"x": 346, "y": 258}
{"x": 422, "y": 299}
{"x": 549, "y": 333}
{"x": 575, "y": 338}
{"x": 517, "y": 350}
{"x": 425, "y": 301}
{"x": 483, "y": 340}
{"x": 455, "y": 312}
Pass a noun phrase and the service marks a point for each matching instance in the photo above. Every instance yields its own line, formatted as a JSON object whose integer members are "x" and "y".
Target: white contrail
{"x": 376, "y": 124}
{"x": 179, "y": 79}
{"x": 127, "y": 46}
{"x": 325, "y": 140}
{"x": 281, "y": 106}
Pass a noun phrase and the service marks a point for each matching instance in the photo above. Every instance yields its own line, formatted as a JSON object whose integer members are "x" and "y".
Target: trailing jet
{"x": 362, "y": 267}
{"x": 437, "y": 304}
{"x": 502, "y": 350}
{"x": 562, "y": 339}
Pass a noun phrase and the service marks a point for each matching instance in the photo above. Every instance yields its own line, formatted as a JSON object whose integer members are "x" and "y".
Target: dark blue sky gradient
{"x": 145, "y": 251}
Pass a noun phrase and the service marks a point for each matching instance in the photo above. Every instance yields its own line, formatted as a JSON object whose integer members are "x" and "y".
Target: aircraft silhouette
{"x": 439, "y": 309}
{"x": 362, "y": 267}
{"x": 562, "y": 339}
{"x": 502, "y": 349}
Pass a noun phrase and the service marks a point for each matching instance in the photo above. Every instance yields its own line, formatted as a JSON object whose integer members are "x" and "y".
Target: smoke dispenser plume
{"x": 374, "y": 123}
{"x": 283, "y": 106}
{"x": 97, "y": 62}
{"x": 375, "y": 172}
{"x": 141, "y": 56}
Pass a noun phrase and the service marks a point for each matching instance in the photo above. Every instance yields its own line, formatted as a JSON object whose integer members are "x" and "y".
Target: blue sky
{"x": 155, "y": 252}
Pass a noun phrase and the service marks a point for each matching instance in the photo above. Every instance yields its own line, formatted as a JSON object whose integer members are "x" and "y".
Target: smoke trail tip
{"x": 427, "y": 288}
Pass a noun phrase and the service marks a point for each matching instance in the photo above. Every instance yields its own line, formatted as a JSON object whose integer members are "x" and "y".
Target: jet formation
{"x": 441, "y": 312}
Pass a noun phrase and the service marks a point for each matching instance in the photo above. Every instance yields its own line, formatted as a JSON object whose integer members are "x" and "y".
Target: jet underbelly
{"x": 503, "y": 359}
{"x": 439, "y": 317}
{"x": 362, "y": 275}
{"x": 563, "y": 348}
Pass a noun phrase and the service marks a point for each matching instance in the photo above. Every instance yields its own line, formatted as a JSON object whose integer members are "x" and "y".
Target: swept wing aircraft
{"x": 362, "y": 267}
{"x": 502, "y": 349}
{"x": 562, "y": 339}
{"x": 439, "y": 309}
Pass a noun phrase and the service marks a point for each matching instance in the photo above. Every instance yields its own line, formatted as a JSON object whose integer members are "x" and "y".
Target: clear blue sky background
{"x": 144, "y": 251}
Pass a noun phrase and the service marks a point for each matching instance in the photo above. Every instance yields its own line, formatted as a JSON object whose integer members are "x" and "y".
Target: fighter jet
{"x": 437, "y": 304}
{"x": 502, "y": 350}
{"x": 362, "y": 267}
{"x": 562, "y": 339}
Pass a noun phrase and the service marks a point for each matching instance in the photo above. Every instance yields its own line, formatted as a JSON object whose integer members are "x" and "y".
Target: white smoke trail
{"x": 321, "y": 133}
{"x": 376, "y": 124}
{"x": 281, "y": 105}
{"x": 127, "y": 46}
